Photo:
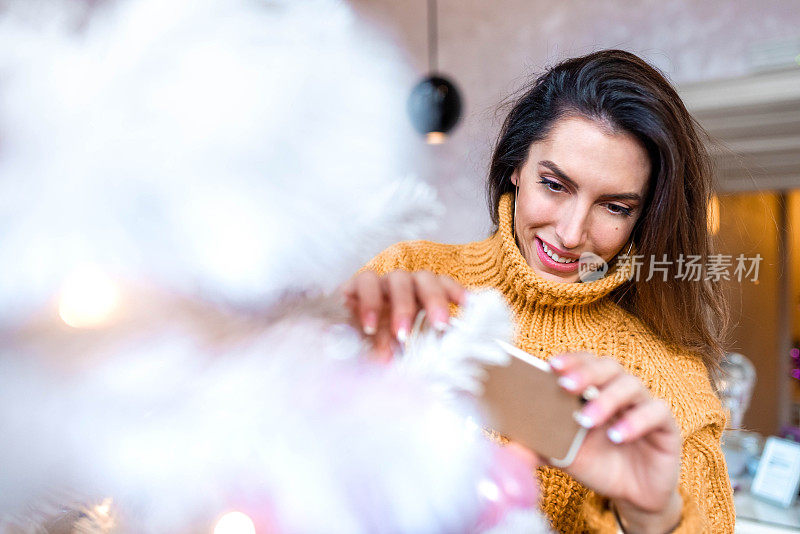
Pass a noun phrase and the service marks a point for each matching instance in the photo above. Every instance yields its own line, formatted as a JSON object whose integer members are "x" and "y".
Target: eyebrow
{"x": 635, "y": 197}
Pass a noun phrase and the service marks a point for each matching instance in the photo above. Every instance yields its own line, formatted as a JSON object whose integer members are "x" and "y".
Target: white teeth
{"x": 555, "y": 256}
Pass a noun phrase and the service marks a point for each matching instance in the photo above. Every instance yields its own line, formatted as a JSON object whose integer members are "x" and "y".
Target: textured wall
{"x": 491, "y": 47}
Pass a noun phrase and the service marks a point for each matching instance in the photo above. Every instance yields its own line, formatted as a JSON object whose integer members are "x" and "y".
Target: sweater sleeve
{"x": 705, "y": 481}
{"x": 704, "y": 487}
{"x": 398, "y": 256}
{"x": 681, "y": 379}
{"x": 438, "y": 258}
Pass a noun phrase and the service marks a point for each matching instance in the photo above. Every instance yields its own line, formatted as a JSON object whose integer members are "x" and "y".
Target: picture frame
{"x": 778, "y": 475}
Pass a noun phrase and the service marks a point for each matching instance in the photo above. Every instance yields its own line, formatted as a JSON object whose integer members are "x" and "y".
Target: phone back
{"x": 526, "y": 404}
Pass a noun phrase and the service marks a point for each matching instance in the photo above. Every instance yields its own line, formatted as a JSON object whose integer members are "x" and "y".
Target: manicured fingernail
{"x": 370, "y": 324}
{"x": 615, "y": 434}
{"x": 556, "y": 363}
{"x": 567, "y": 382}
{"x": 441, "y": 320}
{"x": 584, "y": 420}
{"x": 402, "y": 334}
{"x": 403, "y": 329}
{"x": 588, "y": 416}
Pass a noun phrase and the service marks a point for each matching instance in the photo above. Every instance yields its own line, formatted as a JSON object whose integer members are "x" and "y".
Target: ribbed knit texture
{"x": 553, "y": 317}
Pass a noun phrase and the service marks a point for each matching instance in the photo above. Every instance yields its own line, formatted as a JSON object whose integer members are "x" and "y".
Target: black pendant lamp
{"x": 434, "y": 105}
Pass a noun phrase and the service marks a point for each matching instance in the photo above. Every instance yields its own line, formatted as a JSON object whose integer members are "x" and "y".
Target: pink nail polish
{"x": 568, "y": 382}
{"x": 583, "y": 420}
{"x": 403, "y": 330}
{"x": 588, "y": 416}
{"x": 440, "y": 320}
{"x": 370, "y": 325}
{"x": 402, "y": 334}
{"x": 441, "y": 326}
{"x": 615, "y": 435}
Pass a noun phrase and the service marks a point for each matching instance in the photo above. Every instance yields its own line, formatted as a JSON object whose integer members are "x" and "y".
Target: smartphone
{"x": 524, "y": 402}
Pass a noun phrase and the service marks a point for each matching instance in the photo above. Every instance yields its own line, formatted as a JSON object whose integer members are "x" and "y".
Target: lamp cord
{"x": 433, "y": 60}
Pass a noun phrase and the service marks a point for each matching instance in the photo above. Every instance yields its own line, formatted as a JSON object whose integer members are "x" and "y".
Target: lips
{"x": 551, "y": 259}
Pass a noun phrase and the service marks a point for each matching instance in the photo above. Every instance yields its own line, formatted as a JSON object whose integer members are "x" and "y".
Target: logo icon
{"x": 591, "y": 267}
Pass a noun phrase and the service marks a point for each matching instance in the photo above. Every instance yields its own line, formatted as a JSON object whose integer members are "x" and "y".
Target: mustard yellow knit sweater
{"x": 555, "y": 317}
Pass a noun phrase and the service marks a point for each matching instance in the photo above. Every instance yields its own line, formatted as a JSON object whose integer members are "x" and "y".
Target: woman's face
{"x": 580, "y": 191}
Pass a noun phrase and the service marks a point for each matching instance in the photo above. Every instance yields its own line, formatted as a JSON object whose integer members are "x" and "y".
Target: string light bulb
{"x": 435, "y": 138}
{"x": 235, "y": 523}
{"x": 88, "y": 298}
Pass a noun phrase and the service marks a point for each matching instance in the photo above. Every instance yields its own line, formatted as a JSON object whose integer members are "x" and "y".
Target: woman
{"x": 600, "y": 158}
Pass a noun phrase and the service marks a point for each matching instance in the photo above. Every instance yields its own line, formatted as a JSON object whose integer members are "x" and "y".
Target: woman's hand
{"x": 385, "y": 306}
{"x": 632, "y": 451}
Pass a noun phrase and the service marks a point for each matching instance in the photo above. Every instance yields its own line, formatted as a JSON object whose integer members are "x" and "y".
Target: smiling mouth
{"x": 552, "y": 261}
{"x": 555, "y": 257}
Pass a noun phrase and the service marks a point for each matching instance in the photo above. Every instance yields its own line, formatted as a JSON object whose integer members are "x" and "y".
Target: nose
{"x": 571, "y": 228}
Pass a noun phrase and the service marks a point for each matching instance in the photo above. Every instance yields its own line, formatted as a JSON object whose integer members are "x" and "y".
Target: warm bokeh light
{"x": 88, "y": 298}
{"x": 104, "y": 508}
{"x": 713, "y": 215}
{"x": 235, "y": 523}
{"x": 101, "y": 516}
{"x": 435, "y": 138}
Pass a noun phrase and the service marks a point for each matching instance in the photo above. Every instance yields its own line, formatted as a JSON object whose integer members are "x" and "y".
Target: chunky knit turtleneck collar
{"x": 518, "y": 278}
{"x": 552, "y": 318}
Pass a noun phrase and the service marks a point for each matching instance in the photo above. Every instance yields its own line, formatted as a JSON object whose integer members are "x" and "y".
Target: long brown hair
{"x": 620, "y": 90}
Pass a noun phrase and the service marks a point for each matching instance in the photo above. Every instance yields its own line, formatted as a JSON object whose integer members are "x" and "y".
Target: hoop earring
{"x": 514, "y": 222}
{"x": 630, "y": 246}
{"x": 627, "y": 252}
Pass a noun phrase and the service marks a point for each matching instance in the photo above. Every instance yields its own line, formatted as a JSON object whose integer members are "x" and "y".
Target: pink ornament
{"x": 509, "y": 483}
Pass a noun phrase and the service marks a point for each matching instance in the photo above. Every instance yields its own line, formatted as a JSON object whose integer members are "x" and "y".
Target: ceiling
{"x": 754, "y": 122}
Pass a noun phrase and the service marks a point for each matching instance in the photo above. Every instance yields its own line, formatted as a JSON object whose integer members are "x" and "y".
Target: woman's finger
{"x": 383, "y": 344}
{"x": 348, "y": 293}
{"x": 370, "y": 301}
{"x": 617, "y": 395}
{"x": 580, "y": 370}
{"x": 523, "y": 452}
{"x": 647, "y": 418}
{"x": 348, "y": 287}
{"x": 403, "y": 303}
{"x": 433, "y": 298}
{"x": 456, "y": 293}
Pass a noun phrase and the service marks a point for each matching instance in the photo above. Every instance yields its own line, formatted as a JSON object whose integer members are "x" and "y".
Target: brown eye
{"x": 616, "y": 209}
{"x": 555, "y": 187}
